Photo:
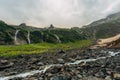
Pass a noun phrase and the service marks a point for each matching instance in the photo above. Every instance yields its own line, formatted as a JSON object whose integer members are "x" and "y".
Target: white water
{"x": 23, "y": 75}
{"x": 26, "y": 74}
{"x": 28, "y": 37}
{"x": 15, "y": 39}
{"x": 58, "y": 39}
{"x": 85, "y": 60}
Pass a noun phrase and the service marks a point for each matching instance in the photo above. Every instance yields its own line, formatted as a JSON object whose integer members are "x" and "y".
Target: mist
{"x": 61, "y": 13}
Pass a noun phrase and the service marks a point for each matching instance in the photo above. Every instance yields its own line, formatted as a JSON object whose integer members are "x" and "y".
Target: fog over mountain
{"x": 61, "y": 13}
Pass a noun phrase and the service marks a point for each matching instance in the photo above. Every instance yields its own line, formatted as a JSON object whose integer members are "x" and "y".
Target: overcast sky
{"x": 62, "y": 13}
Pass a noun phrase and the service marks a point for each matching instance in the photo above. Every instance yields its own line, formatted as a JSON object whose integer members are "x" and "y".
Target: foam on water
{"x": 23, "y": 75}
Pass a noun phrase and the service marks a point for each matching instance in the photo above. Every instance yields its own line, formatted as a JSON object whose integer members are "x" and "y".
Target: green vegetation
{"x": 12, "y": 51}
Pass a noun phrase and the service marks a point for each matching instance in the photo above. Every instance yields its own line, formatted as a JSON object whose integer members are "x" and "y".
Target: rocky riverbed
{"x": 96, "y": 64}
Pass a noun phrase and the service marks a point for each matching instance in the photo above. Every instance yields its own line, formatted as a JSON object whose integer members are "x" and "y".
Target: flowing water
{"x": 23, "y": 75}
{"x": 15, "y": 39}
{"x": 58, "y": 39}
{"x": 28, "y": 37}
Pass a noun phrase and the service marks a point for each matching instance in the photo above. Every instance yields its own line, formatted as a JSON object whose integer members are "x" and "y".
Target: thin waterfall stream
{"x": 28, "y": 37}
{"x": 16, "y": 35}
{"x": 58, "y": 39}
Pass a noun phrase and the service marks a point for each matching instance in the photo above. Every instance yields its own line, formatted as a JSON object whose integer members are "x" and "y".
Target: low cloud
{"x": 62, "y": 13}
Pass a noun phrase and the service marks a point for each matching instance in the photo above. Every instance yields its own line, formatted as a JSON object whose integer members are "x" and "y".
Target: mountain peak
{"x": 22, "y": 25}
{"x": 114, "y": 15}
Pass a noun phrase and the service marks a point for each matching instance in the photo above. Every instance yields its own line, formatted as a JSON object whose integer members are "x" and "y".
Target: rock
{"x": 108, "y": 78}
{"x": 64, "y": 55}
{"x": 4, "y": 61}
{"x": 61, "y": 78}
{"x": 100, "y": 74}
{"x": 61, "y": 51}
{"x": 72, "y": 60}
{"x": 92, "y": 78}
{"x": 12, "y": 73}
{"x": 8, "y": 65}
{"x": 116, "y": 75}
{"x": 79, "y": 76}
{"x": 61, "y": 61}
{"x": 31, "y": 78}
{"x": 40, "y": 64}
{"x": 112, "y": 42}
{"x": 33, "y": 61}
{"x": 18, "y": 78}
{"x": 55, "y": 70}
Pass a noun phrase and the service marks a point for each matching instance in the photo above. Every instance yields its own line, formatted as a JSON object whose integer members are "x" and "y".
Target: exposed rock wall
{"x": 112, "y": 42}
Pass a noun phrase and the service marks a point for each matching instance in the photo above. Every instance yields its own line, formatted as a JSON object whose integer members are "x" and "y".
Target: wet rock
{"x": 61, "y": 52}
{"x": 118, "y": 68}
{"x": 31, "y": 78}
{"x": 33, "y": 61}
{"x": 61, "y": 61}
{"x": 55, "y": 70}
{"x": 12, "y": 73}
{"x": 108, "y": 78}
{"x": 79, "y": 76}
{"x": 64, "y": 55}
{"x": 18, "y": 78}
{"x": 7, "y": 65}
{"x": 4, "y": 61}
{"x": 40, "y": 64}
{"x": 91, "y": 78}
{"x": 61, "y": 78}
{"x": 100, "y": 74}
{"x": 72, "y": 60}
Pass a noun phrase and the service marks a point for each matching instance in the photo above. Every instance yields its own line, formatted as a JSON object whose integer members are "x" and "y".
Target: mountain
{"x": 23, "y": 34}
{"x": 103, "y": 28}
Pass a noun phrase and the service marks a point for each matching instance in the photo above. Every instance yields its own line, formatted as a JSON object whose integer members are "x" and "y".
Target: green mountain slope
{"x": 23, "y": 34}
{"x": 103, "y": 28}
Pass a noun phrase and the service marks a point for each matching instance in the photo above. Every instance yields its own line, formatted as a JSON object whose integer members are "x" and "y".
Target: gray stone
{"x": 108, "y": 78}
{"x": 61, "y": 61}
{"x": 40, "y": 64}
{"x": 4, "y": 61}
{"x": 61, "y": 78}
{"x": 79, "y": 76}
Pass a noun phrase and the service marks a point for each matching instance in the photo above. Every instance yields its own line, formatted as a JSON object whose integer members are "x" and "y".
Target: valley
{"x": 91, "y": 52}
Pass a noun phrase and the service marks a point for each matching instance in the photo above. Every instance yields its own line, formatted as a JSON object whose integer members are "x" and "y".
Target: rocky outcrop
{"x": 112, "y": 42}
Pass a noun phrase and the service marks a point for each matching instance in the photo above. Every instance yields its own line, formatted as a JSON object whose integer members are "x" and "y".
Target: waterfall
{"x": 58, "y": 39}
{"x": 28, "y": 37}
{"x": 15, "y": 39}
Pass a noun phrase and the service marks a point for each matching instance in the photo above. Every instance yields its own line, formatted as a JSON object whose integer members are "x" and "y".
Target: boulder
{"x": 112, "y": 42}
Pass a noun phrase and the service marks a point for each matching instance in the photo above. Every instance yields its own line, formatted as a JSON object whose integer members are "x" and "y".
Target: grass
{"x": 12, "y": 51}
